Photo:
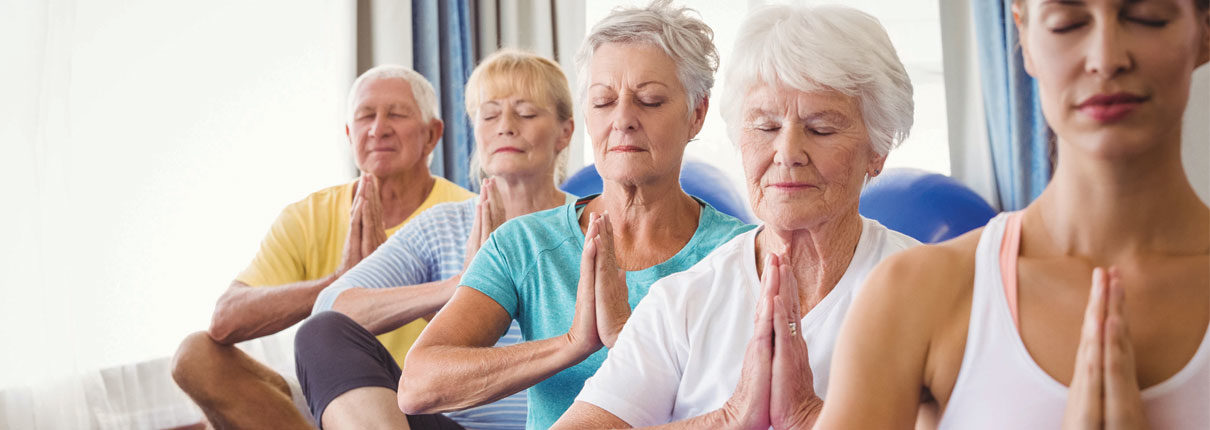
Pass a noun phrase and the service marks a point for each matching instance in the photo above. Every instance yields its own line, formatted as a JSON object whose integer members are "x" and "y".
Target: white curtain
{"x": 970, "y": 155}
{"x": 145, "y": 148}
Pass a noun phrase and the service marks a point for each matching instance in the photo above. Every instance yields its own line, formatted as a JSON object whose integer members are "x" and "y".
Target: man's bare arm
{"x": 244, "y": 312}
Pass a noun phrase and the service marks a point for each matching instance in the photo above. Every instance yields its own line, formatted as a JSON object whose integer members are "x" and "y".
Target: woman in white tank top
{"x": 999, "y": 328}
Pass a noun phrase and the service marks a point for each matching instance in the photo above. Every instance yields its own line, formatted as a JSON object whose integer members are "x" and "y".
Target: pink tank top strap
{"x": 1010, "y": 247}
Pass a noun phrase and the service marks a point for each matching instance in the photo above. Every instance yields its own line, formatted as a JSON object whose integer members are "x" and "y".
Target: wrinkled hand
{"x": 793, "y": 403}
{"x": 748, "y": 407}
{"x": 489, "y": 214}
{"x": 1104, "y": 391}
{"x": 612, "y": 296}
{"x": 583, "y": 335}
{"x": 366, "y": 227}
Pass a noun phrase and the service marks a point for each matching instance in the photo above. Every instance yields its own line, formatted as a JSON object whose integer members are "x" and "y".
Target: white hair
{"x": 422, "y": 90}
{"x": 684, "y": 37}
{"x": 816, "y": 48}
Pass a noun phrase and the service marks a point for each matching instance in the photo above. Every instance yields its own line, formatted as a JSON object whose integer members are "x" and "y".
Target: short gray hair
{"x": 684, "y": 37}
{"x": 822, "y": 47}
{"x": 422, "y": 90}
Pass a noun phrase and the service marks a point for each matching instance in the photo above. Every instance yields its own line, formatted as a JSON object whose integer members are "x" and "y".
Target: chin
{"x": 787, "y": 217}
{"x": 1117, "y": 143}
{"x": 628, "y": 175}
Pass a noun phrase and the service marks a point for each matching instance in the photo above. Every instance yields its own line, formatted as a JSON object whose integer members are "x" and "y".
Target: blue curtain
{"x": 442, "y": 52}
{"x": 1017, "y": 132}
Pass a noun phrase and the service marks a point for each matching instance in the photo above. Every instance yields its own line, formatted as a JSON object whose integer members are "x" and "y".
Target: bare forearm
{"x": 445, "y": 378}
{"x": 713, "y": 420}
{"x": 245, "y": 312}
{"x": 380, "y": 310}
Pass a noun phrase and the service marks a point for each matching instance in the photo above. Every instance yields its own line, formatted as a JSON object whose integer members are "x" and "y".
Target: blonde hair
{"x": 535, "y": 78}
{"x": 510, "y": 71}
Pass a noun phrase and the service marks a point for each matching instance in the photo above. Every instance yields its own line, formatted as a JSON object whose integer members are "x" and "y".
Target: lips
{"x": 791, "y": 185}
{"x": 507, "y": 149}
{"x": 626, "y": 148}
{"x": 1108, "y": 108}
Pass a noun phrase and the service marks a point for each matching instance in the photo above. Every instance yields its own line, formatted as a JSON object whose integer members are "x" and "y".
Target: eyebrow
{"x": 831, "y": 115}
{"x": 1064, "y": 2}
{"x": 827, "y": 114}
{"x": 640, "y": 85}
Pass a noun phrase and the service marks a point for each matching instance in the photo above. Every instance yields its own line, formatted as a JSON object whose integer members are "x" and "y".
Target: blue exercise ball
{"x": 929, "y": 207}
{"x": 698, "y": 179}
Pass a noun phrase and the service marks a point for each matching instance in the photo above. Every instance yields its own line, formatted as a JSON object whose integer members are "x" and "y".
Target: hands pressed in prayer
{"x": 776, "y": 386}
{"x": 1104, "y": 391}
{"x": 366, "y": 227}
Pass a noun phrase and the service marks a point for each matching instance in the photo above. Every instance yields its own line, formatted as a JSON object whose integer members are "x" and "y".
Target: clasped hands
{"x": 367, "y": 230}
{"x": 602, "y": 299}
{"x": 776, "y": 386}
{"x": 1104, "y": 391}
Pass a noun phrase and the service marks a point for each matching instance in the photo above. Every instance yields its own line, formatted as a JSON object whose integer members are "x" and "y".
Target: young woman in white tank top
{"x": 999, "y": 328}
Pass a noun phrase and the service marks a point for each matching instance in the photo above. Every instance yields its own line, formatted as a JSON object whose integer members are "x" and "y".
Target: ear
{"x": 436, "y": 128}
{"x": 566, "y": 132}
{"x": 348, "y": 134}
{"x": 699, "y": 117}
{"x": 1019, "y": 18}
{"x": 877, "y": 162}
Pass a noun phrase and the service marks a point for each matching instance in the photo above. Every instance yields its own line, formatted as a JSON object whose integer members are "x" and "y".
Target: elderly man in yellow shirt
{"x": 393, "y": 127}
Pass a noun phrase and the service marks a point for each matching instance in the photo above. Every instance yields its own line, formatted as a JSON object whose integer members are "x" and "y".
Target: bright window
{"x": 147, "y": 148}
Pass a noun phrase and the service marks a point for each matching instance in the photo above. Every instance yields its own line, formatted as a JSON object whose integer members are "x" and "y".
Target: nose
{"x": 625, "y": 116}
{"x": 1106, "y": 55}
{"x": 507, "y": 125}
{"x": 790, "y": 147}
{"x": 380, "y": 128}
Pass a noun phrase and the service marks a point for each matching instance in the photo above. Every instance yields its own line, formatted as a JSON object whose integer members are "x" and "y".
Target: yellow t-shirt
{"x": 306, "y": 242}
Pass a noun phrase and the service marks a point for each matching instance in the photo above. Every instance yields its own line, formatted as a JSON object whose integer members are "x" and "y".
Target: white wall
{"x": 147, "y": 147}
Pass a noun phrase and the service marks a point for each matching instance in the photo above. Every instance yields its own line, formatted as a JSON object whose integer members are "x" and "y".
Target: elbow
{"x": 223, "y": 323}
{"x": 417, "y": 392}
{"x": 414, "y": 400}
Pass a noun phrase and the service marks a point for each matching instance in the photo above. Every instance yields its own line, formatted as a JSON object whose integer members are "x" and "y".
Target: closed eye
{"x": 1066, "y": 28}
{"x": 1157, "y": 23}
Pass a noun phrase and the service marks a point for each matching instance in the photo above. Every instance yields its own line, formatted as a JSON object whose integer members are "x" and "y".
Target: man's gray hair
{"x": 822, "y": 48}
{"x": 684, "y": 37}
{"x": 422, "y": 90}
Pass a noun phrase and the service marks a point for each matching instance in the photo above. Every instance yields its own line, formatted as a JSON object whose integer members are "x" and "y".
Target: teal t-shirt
{"x": 531, "y": 267}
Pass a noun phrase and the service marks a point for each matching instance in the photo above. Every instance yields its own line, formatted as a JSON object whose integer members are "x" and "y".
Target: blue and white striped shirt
{"x": 431, "y": 248}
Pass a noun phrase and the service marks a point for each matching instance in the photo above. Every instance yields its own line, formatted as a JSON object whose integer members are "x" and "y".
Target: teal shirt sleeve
{"x": 491, "y": 273}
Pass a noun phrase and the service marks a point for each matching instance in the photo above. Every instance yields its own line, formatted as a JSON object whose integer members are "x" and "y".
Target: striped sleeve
{"x": 429, "y": 248}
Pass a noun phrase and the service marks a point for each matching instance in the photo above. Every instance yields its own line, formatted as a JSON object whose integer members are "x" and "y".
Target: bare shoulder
{"x": 909, "y": 308}
{"x": 926, "y": 273}
{"x": 925, "y": 294}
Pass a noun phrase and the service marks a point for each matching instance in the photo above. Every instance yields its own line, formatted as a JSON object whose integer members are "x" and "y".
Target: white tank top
{"x": 1001, "y": 387}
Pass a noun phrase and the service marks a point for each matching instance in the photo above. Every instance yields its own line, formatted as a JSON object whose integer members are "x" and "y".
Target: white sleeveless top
{"x": 1001, "y": 387}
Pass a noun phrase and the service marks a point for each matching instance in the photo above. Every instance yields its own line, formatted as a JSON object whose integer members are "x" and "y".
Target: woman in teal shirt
{"x": 646, "y": 75}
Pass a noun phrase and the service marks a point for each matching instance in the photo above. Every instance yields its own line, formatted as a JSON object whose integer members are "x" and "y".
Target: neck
{"x": 657, "y": 212}
{"x": 402, "y": 193}
{"x": 523, "y": 194}
{"x": 818, "y": 255}
{"x": 1106, "y": 209}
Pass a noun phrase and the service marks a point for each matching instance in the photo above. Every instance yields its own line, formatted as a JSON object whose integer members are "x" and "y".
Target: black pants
{"x": 333, "y": 354}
